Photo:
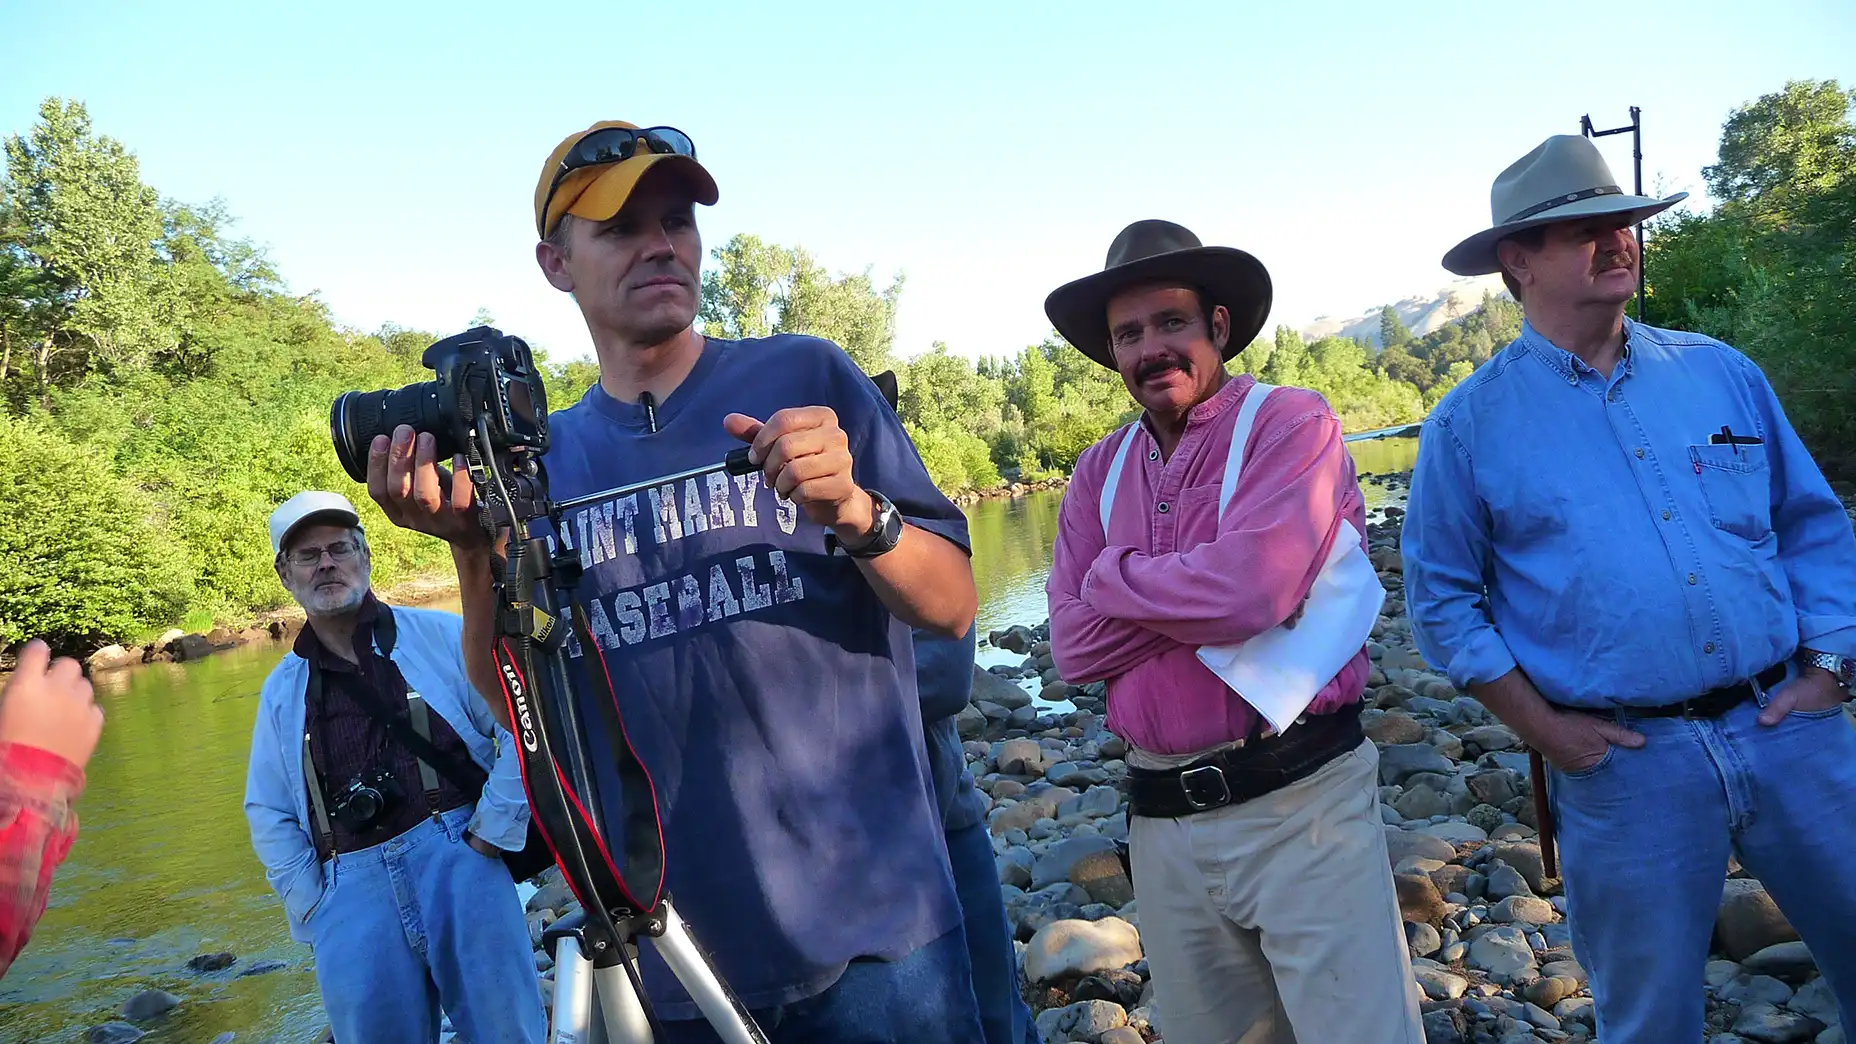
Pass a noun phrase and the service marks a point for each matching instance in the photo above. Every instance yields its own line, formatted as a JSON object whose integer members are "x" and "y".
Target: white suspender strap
{"x": 1240, "y": 434}
{"x": 1114, "y": 475}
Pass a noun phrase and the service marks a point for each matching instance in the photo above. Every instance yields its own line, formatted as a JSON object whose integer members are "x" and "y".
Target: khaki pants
{"x": 1275, "y": 921}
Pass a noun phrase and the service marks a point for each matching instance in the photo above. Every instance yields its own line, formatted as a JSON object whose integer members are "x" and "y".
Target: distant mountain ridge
{"x": 1423, "y": 313}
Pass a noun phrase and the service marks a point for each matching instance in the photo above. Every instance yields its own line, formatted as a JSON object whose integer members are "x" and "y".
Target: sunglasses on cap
{"x": 616, "y": 145}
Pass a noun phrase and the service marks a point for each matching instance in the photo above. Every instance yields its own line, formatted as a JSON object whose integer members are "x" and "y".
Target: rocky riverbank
{"x": 1008, "y": 490}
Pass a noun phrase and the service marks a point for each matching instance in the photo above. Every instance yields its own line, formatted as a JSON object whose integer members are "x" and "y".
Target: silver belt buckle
{"x": 1210, "y": 772}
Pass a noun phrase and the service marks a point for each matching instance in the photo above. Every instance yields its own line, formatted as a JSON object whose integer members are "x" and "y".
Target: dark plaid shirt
{"x": 345, "y": 740}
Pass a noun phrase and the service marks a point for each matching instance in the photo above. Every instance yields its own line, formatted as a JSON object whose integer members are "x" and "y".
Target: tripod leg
{"x": 573, "y": 994}
{"x": 691, "y": 967}
{"x": 619, "y": 1007}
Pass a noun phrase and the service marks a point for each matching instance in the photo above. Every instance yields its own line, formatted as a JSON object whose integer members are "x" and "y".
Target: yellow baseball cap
{"x": 597, "y": 191}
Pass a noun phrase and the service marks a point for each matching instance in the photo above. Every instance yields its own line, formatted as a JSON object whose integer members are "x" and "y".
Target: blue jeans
{"x": 421, "y": 922}
{"x": 1003, "y": 1012}
{"x": 1645, "y": 837}
{"x": 924, "y": 997}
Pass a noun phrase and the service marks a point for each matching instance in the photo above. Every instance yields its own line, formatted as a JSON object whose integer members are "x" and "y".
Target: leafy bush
{"x": 84, "y": 557}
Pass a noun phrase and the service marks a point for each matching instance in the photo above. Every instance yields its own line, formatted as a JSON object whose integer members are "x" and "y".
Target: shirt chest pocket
{"x": 1736, "y": 483}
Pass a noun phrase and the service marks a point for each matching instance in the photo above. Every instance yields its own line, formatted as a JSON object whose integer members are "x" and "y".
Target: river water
{"x": 163, "y": 867}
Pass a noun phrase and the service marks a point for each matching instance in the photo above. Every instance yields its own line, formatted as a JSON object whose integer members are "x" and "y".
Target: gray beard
{"x": 329, "y": 603}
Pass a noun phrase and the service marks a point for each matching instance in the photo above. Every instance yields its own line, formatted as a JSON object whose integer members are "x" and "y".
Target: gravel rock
{"x": 1437, "y": 981}
{"x": 211, "y": 962}
{"x": 1418, "y": 899}
{"x": 1392, "y": 727}
{"x": 1421, "y": 803}
{"x": 1446, "y": 1026}
{"x": 1100, "y": 874}
{"x": 1523, "y": 909}
{"x": 114, "y": 1033}
{"x": 1422, "y": 939}
{"x": 1074, "y": 947}
{"x": 1491, "y": 737}
{"x": 1400, "y": 761}
{"x": 1505, "y": 881}
{"x": 1791, "y": 961}
{"x": 1402, "y": 844}
{"x": 1084, "y": 1020}
{"x": 1769, "y": 1025}
{"x": 1502, "y": 952}
{"x": 1815, "y": 999}
{"x": 1456, "y": 833}
{"x": 1055, "y": 864}
{"x": 1021, "y": 757}
{"x": 1754, "y": 989}
{"x": 149, "y": 1004}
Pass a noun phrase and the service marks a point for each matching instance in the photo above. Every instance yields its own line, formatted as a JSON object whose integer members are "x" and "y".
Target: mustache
{"x": 1155, "y": 367}
{"x": 1616, "y": 259}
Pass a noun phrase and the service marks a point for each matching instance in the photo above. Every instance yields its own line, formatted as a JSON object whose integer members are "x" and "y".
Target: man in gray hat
{"x": 381, "y": 796}
{"x": 1188, "y": 543}
{"x": 1616, "y": 541}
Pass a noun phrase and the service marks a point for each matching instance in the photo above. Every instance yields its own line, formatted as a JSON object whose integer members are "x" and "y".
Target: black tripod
{"x": 598, "y": 994}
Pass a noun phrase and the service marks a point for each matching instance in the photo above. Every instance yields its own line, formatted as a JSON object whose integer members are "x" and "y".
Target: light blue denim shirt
{"x": 1588, "y": 530}
{"x": 429, "y": 652}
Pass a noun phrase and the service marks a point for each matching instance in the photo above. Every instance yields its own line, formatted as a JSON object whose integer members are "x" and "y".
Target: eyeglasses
{"x": 615, "y": 145}
{"x": 340, "y": 551}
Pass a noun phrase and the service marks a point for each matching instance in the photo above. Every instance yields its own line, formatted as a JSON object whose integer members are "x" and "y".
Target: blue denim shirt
{"x": 1588, "y": 531}
{"x": 430, "y": 655}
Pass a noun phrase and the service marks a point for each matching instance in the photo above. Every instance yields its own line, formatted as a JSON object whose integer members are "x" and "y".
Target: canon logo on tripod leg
{"x": 525, "y": 722}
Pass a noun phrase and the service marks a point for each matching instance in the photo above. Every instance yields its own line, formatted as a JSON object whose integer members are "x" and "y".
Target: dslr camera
{"x": 486, "y": 384}
{"x": 368, "y": 796}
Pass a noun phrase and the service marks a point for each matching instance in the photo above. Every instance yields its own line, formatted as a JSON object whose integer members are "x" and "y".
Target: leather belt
{"x": 1238, "y": 774}
{"x": 1710, "y": 704}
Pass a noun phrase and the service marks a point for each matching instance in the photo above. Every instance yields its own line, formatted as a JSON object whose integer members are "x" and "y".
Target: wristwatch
{"x": 1843, "y": 668}
{"x": 885, "y": 531}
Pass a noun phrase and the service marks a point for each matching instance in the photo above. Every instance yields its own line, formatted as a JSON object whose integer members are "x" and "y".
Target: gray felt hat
{"x": 1563, "y": 178}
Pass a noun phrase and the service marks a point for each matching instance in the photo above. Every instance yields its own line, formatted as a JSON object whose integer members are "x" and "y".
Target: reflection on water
{"x": 163, "y": 867}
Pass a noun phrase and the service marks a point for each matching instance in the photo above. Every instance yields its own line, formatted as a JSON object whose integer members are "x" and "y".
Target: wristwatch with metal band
{"x": 885, "y": 534}
{"x": 1843, "y": 668}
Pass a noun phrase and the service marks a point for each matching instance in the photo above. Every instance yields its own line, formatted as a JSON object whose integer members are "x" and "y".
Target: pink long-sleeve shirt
{"x": 1133, "y": 607}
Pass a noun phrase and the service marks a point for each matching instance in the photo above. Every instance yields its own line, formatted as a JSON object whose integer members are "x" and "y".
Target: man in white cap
{"x": 1616, "y": 541}
{"x": 382, "y": 796}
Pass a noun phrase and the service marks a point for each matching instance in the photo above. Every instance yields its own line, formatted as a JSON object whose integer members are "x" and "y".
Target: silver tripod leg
{"x": 594, "y": 1005}
{"x": 692, "y": 969}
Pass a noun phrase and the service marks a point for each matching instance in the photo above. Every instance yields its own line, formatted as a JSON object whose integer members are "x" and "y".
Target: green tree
{"x": 756, "y": 288}
{"x": 1785, "y": 147}
{"x": 82, "y": 215}
{"x": 84, "y": 557}
{"x": 1393, "y": 332}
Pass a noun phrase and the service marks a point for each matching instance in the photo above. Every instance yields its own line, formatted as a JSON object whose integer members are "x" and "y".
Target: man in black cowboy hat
{"x": 1616, "y": 541}
{"x": 1188, "y": 541}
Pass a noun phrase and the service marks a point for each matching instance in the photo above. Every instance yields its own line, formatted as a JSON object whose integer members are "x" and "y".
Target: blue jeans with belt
{"x": 420, "y": 923}
{"x": 1645, "y": 836}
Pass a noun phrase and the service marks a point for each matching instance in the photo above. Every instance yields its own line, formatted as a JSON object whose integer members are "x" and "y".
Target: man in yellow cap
{"x": 757, "y": 628}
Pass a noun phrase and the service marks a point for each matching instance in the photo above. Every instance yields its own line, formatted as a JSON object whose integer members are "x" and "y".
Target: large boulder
{"x": 1391, "y": 727}
{"x": 991, "y": 688}
{"x": 1503, "y": 953}
{"x": 970, "y": 723}
{"x": 1749, "y": 921}
{"x": 1073, "y": 947}
{"x": 1418, "y": 901}
{"x": 189, "y": 647}
{"x": 1402, "y": 845}
{"x": 1055, "y": 864}
{"x": 110, "y": 657}
{"x": 1400, "y": 761}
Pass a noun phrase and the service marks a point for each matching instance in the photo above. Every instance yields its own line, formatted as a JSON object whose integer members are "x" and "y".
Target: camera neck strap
{"x": 413, "y": 731}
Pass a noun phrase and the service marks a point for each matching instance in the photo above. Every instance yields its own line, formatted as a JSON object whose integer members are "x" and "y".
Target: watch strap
{"x": 886, "y": 531}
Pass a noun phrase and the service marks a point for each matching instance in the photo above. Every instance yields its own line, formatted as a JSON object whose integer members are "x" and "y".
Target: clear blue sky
{"x": 385, "y": 152}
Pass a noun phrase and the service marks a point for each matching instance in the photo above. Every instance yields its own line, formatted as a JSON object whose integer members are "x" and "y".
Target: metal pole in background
{"x": 1636, "y": 153}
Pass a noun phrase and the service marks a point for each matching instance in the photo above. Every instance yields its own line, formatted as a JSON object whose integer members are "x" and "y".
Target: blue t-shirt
{"x": 763, "y": 684}
{"x": 944, "y": 678}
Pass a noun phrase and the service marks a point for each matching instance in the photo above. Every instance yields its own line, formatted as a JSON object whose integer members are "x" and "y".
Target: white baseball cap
{"x": 310, "y": 506}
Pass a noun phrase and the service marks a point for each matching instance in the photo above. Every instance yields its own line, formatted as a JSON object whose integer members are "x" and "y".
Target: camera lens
{"x": 364, "y": 806}
{"x": 356, "y": 417}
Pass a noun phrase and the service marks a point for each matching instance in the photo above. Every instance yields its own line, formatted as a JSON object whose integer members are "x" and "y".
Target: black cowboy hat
{"x": 1161, "y": 251}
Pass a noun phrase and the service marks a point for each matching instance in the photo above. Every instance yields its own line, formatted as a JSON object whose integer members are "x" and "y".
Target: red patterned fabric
{"x": 38, "y": 823}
